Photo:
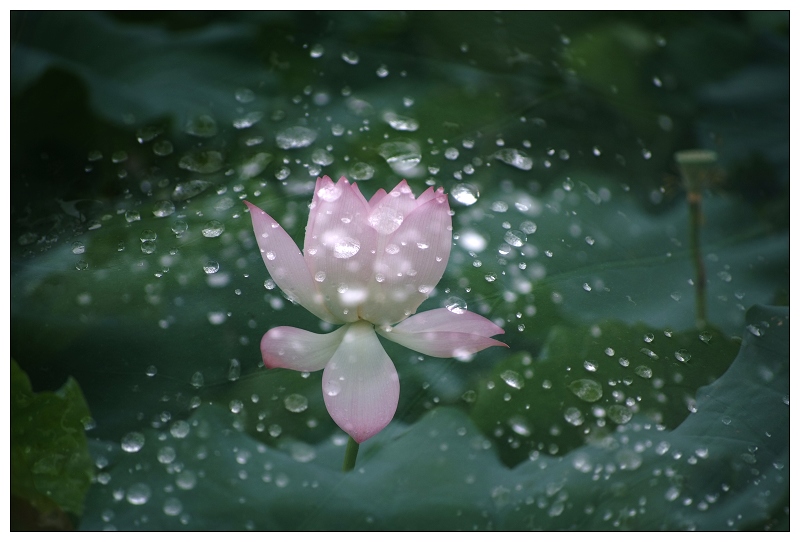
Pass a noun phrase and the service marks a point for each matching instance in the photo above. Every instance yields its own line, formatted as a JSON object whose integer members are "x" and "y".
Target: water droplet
{"x": 361, "y": 171}
{"x": 619, "y": 414}
{"x": 455, "y": 305}
{"x": 758, "y": 332}
{"x": 133, "y": 442}
{"x": 172, "y": 506}
{"x": 465, "y": 194}
{"x": 401, "y": 155}
{"x": 590, "y": 365}
{"x": 586, "y": 389}
{"x": 148, "y": 235}
{"x": 322, "y": 157}
{"x": 726, "y": 420}
{"x": 515, "y": 158}
{"x": 520, "y": 426}
{"x": 295, "y": 402}
{"x": 683, "y": 355}
{"x": 180, "y": 429}
{"x": 244, "y": 95}
{"x": 138, "y": 494}
{"x": 213, "y": 228}
{"x": 211, "y": 267}
{"x": 78, "y": 247}
{"x": 255, "y": 165}
{"x": 163, "y": 148}
{"x": 234, "y": 370}
{"x": 316, "y": 51}
{"x": 490, "y": 277}
{"x": 197, "y": 380}
{"x": 186, "y": 480}
{"x": 644, "y": 371}
{"x": 705, "y": 337}
{"x": 351, "y": 57}
{"x": 676, "y": 296}
{"x": 201, "y": 126}
{"x": 573, "y": 416}
{"x": 189, "y": 189}
{"x": 385, "y": 220}
{"x": 513, "y": 379}
{"x": 302, "y": 452}
{"x": 382, "y": 71}
{"x": 649, "y": 353}
{"x": 515, "y": 238}
{"x": 132, "y": 216}
{"x": 319, "y": 276}
{"x": 401, "y": 123}
{"x": 148, "y": 247}
{"x": 648, "y": 338}
{"x": 295, "y": 137}
{"x": 346, "y": 247}
{"x": 201, "y": 161}
{"x": 163, "y": 208}
{"x": 724, "y": 276}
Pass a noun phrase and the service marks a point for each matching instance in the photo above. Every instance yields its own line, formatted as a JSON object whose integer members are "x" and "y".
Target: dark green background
{"x": 598, "y": 102}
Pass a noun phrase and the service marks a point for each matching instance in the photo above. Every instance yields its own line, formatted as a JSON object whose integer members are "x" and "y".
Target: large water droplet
{"x": 644, "y": 371}
{"x": 202, "y": 126}
{"x": 78, "y": 247}
{"x": 586, "y": 389}
{"x": 322, "y": 157}
{"x": 255, "y": 165}
{"x": 515, "y": 238}
{"x": 683, "y": 355}
{"x": 201, "y": 161}
{"x": 573, "y": 416}
{"x": 138, "y": 494}
{"x": 515, "y": 158}
{"x": 295, "y": 402}
{"x": 465, "y": 194}
{"x": 213, "y": 228}
{"x": 133, "y": 442}
{"x": 401, "y": 155}
{"x": 385, "y": 220}
{"x": 455, "y": 305}
{"x": 189, "y": 189}
{"x": 361, "y": 171}
{"x": 619, "y": 414}
{"x": 346, "y": 247}
{"x": 513, "y": 379}
{"x": 295, "y": 137}
{"x": 163, "y": 208}
{"x": 401, "y": 123}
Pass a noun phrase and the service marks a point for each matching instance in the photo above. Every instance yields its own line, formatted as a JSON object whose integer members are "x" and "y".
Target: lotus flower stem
{"x": 350, "y": 455}
{"x": 696, "y": 167}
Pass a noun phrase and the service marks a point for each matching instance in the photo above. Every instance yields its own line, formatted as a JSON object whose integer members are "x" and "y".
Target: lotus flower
{"x": 367, "y": 265}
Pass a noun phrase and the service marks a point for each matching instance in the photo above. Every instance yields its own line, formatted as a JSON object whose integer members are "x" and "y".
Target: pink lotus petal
{"x": 285, "y": 263}
{"x": 339, "y": 247}
{"x": 444, "y": 334}
{"x": 411, "y": 264}
{"x": 298, "y": 349}
{"x": 360, "y": 384}
{"x": 446, "y": 320}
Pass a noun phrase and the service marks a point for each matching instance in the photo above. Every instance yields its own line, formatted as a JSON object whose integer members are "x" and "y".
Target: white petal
{"x": 298, "y": 349}
{"x": 360, "y": 384}
{"x": 411, "y": 263}
{"x": 340, "y": 247}
{"x": 444, "y": 334}
{"x": 286, "y": 265}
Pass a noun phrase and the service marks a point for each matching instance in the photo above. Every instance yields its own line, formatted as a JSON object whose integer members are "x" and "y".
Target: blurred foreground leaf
{"x": 724, "y": 467}
{"x": 51, "y": 468}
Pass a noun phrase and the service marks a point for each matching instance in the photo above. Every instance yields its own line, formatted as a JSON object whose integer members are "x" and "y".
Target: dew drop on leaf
{"x": 586, "y": 389}
{"x": 295, "y": 402}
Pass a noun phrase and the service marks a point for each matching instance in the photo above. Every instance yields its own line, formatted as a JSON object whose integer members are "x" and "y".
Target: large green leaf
{"x": 724, "y": 467}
